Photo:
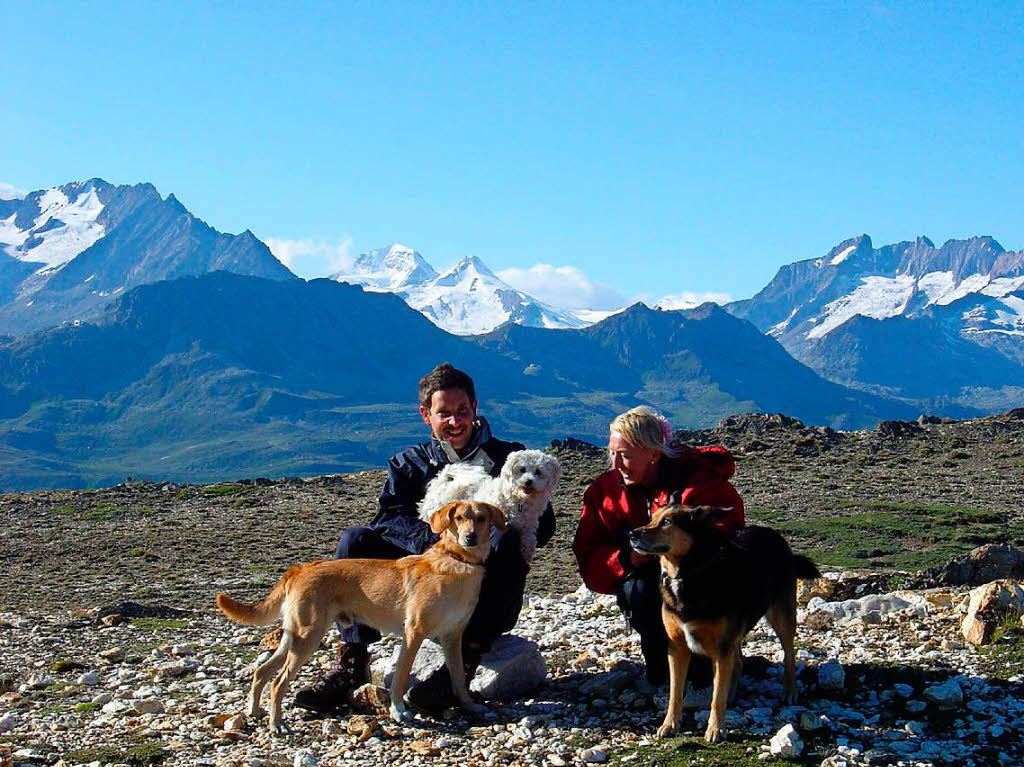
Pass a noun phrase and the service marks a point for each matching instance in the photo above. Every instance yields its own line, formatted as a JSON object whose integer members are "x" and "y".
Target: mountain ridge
{"x": 121, "y": 237}
{"x": 222, "y": 375}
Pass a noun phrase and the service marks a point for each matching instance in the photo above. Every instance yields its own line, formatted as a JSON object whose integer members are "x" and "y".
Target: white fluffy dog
{"x": 522, "y": 491}
{"x": 455, "y": 482}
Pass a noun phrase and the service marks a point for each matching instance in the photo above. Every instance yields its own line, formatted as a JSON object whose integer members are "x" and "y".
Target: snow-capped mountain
{"x": 845, "y": 312}
{"x": 52, "y": 226}
{"x": 388, "y": 269}
{"x": 67, "y": 251}
{"x": 467, "y": 299}
{"x": 811, "y": 298}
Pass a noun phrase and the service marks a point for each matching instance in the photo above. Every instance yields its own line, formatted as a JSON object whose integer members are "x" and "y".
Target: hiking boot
{"x": 434, "y": 694}
{"x": 352, "y": 670}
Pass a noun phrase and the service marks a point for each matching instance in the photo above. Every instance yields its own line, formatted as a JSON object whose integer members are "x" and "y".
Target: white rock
{"x": 594, "y": 755}
{"x": 831, "y": 676}
{"x": 39, "y": 681}
{"x": 103, "y": 699}
{"x": 513, "y": 667}
{"x": 147, "y": 706}
{"x": 947, "y": 695}
{"x": 786, "y": 743}
{"x": 305, "y": 759}
{"x": 8, "y": 722}
{"x": 90, "y": 679}
{"x": 333, "y": 727}
{"x": 115, "y": 707}
{"x": 873, "y": 605}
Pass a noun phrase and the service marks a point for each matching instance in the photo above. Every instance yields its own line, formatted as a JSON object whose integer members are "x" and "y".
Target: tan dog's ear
{"x": 441, "y": 519}
{"x": 498, "y": 518}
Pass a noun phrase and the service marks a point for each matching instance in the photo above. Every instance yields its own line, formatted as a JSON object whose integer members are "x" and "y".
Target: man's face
{"x": 450, "y": 416}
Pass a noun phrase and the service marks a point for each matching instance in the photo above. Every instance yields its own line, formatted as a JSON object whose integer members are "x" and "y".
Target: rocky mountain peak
{"x": 391, "y": 268}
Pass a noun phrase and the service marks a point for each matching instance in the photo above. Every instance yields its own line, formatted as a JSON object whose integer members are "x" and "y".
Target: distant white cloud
{"x": 688, "y": 299}
{"x": 564, "y": 287}
{"x": 10, "y": 192}
{"x": 311, "y": 258}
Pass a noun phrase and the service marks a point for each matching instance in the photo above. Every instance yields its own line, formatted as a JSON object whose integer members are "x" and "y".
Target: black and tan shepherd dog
{"x": 716, "y": 586}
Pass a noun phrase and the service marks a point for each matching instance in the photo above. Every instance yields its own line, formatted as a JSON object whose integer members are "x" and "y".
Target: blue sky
{"x": 644, "y": 149}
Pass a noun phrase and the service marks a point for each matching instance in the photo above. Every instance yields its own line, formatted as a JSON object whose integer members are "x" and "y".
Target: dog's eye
{"x": 539, "y": 473}
{"x": 665, "y": 522}
{"x": 521, "y": 470}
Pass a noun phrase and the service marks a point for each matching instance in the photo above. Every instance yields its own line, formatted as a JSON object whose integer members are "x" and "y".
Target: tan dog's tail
{"x": 260, "y": 614}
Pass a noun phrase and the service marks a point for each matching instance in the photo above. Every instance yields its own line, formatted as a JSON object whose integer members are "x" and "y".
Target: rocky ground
{"x": 881, "y": 506}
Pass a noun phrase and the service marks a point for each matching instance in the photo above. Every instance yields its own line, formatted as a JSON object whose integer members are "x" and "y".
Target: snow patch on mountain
{"x": 884, "y": 297}
{"x": 470, "y": 299}
{"x": 876, "y": 297}
{"x": 838, "y": 258}
{"x": 62, "y": 229}
{"x": 390, "y": 269}
{"x": 467, "y": 299}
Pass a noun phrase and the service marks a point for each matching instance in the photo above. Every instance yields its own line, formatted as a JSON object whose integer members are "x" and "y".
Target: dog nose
{"x": 528, "y": 482}
{"x": 471, "y": 539}
{"x": 634, "y": 535}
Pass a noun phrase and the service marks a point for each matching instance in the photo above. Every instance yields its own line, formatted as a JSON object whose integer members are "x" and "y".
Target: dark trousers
{"x": 501, "y": 595}
{"x": 639, "y": 598}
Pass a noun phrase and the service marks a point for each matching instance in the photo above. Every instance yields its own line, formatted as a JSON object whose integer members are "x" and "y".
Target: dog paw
{"x": 280, "y": 730}
{"x": 668, "y": 729}
{"x": 400, "y": 715}
{"x": 714, "y": 733}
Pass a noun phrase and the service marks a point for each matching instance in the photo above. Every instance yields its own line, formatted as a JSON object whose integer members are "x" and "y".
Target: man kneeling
{"x": 448, "y": 406}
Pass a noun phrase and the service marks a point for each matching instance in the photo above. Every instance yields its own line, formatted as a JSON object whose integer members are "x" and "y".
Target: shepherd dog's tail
{"x": 804, "y": 568}
{"x": 262, "y": 613}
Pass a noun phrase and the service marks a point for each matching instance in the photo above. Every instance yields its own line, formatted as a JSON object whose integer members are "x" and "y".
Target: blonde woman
{"x": 646, "y": 469}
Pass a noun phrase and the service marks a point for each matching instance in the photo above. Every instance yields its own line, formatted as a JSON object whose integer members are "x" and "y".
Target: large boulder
{"x": 513, "y": 667}
{"x": 989, "y": 606}
{"x": 871, "y": 607}
{"x": 992, "y": 562}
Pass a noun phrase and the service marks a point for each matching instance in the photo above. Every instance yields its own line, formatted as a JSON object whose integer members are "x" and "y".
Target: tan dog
{"x": 427, "y": 595}
{"x": 715, "y": 587}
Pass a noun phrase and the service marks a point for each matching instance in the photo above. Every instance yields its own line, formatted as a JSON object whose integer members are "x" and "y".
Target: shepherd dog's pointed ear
{"x": 441, "y": 519}
{"x": 677, "y": 498}
{"x": 711, "y": 514}
{"x": 497, "y": 517}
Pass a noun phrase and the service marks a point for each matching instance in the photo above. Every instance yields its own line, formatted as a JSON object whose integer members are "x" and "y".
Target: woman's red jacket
{"x": 611, "y": 509}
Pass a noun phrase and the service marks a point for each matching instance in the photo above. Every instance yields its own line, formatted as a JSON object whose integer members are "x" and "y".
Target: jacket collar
{"x": 443, "y": 451}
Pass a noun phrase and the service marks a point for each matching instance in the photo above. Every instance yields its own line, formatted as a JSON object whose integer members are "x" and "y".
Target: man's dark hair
{"x": 445, "y": 376}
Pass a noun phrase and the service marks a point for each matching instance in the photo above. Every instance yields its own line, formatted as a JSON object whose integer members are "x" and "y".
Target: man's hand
{"x": 636, "y": 559}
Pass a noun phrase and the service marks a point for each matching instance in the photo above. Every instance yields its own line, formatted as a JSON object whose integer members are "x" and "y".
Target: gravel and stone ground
{"x": 897, "y": 687}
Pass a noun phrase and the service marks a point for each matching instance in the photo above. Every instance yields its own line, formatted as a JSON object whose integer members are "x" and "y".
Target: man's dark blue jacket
{"x": 397, "y": 518}
{"x": 398, "y": 522}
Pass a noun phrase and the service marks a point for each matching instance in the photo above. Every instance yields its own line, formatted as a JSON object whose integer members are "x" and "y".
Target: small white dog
{"x": 455, "y": 482}
{"x": 522, "y": 491}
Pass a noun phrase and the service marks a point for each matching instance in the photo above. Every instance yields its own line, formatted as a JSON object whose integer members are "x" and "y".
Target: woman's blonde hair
{"x": 644, "y": 427}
